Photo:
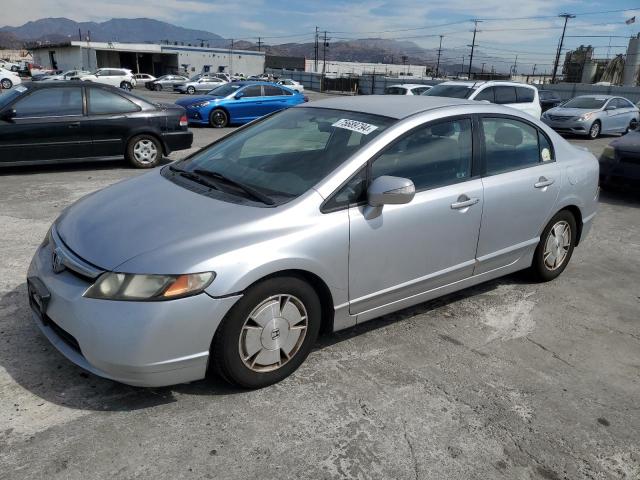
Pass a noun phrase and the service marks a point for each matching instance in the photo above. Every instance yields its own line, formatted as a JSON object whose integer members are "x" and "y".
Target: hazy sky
{"x": 503, "y": 33}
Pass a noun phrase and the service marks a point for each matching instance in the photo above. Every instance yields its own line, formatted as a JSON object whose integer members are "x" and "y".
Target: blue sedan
{"x": 239, "y": 102}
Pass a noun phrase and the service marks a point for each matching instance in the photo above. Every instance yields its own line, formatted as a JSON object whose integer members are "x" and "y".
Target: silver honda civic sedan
{"x": 593, "y": 115}
{"x": 315, "y": 218}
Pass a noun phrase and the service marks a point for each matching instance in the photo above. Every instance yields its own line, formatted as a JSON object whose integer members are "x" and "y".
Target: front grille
{"x": 558, "y": 118}
{"x": 62, "y": 333}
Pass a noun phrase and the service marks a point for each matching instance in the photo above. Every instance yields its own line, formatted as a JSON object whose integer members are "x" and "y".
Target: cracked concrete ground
{"x": 509, "y": 379}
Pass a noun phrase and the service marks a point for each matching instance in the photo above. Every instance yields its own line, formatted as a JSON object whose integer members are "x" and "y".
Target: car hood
{"x": 157, "y": 226}
{"x": 628, "y": 143}
{"x": 185, "y": 102}
{"x": 570, "y": 112}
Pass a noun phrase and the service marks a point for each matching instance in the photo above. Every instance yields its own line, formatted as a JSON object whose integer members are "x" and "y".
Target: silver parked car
{"x": 317, "y": 217}
{"x": 592, "y": 115}
{"x": 202, "y": 84}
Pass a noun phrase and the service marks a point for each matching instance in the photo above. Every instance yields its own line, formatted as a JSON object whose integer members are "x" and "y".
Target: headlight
{"x": 586, "y": 116}
{"x": 201, "y": 104}
{"x": 127, "y": 286}
{"x": 609, "y": 153}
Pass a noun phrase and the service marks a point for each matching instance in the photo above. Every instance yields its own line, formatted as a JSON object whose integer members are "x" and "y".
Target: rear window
{"x": 505, "y": 94}
{"x": 451, "y": 91}
{"x": 524, "y": 94}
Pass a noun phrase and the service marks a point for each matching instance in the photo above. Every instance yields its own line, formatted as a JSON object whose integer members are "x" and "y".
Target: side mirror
{"x": 238, "y": 95}
{"x": 8, "y": 115}
{"x": 387, "y": 190}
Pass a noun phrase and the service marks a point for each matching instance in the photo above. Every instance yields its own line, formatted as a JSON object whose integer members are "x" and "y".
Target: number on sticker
{"x": 355, "y": 126}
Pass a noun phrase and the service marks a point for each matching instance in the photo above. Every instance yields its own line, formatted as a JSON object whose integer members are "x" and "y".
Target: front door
{"x": 250, "y": 105}
{"x": 521, "y": 185}
{"x": 49, "y": 125}
{"x": 431, "y": 241}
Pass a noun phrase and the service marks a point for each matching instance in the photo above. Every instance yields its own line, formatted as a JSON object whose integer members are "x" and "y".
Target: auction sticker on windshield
{"x": 355, "y": 126}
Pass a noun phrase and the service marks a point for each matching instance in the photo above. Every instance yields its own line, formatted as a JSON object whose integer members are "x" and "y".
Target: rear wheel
{"x": 144, "y": 151}
{"x": 218, "y": 118}
{"x": 157, "y": 87}
{"x": 267, "y": 335}
{"x": 594, "y": 131}
{"x": 6, "y": 83}
{"x": 555, "y": 247}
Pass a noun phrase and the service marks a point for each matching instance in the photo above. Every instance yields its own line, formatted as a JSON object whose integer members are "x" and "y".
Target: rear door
{"x": 111, "y": 118}
{"x": 521, "y": 184}
{"x": 49, "y": 125}
{"x": 274, "y": 99}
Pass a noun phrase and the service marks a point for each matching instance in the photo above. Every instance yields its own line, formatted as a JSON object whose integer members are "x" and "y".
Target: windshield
{"x": 591, "y": 103}
{"x": 287, "y": 153}
{"x": 7, "y": 97}
{"x": 225, "y": 90}
{"x": 452, "y": 91}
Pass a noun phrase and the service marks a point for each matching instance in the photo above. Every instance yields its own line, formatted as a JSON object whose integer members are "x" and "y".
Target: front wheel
{"x": 267, "y": 335}
{"x": 144, "y": 151}
{"x": 158, "y": 88}
{"x": 218, "y": 118}
{"x": 594, "y": 131}
{"x": 555, "y": 247}
{"x": 633, "y": 125}
{"x": 6, "y": 83}
{"x": 126, "y": 86}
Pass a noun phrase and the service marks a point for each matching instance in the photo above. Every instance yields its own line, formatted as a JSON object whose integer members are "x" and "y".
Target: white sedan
{"x": 203, "y": 84}
{"x": 406, "y": 89}
{"x": 292, "y": 85}
{"x": 8, "y": 79}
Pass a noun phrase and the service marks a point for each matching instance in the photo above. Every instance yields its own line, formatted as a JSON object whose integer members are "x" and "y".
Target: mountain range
{"x": 146, "y": 30}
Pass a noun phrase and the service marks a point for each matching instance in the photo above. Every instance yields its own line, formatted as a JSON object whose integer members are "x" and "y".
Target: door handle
{"x": 74, "y": 125}
{"x": 464, "y": 202}
{"x": 544, "y": 182}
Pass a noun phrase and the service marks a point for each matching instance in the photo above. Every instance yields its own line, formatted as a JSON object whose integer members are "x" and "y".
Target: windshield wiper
{"x": 193, "y": 176}
{"x": 252, "y": 192}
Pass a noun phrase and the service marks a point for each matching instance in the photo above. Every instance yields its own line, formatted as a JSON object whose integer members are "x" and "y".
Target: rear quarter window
{"x": 524, "y": 94}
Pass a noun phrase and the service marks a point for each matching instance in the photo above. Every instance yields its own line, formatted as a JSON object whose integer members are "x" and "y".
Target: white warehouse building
{"x": 154, "y": 59}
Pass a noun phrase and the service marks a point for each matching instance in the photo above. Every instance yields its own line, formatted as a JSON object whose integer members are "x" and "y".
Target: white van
{"x": 511, "y": 94}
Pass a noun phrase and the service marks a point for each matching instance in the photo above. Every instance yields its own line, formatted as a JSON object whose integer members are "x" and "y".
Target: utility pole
{"x": 462, "y": 67}
{"x": 439, "y": 52}
{"x": 482, "y": 69}
{"x": 533, "y": 72}
{"x": 324, "y": 53}
{"x": 566, "y": 17}
{"x": 473, "y": 44}
{"x": 515, "y": 66}
{"x": 231, "y": 59}
{"x": 315, "y": 53}
{"x": 259, "y": 44}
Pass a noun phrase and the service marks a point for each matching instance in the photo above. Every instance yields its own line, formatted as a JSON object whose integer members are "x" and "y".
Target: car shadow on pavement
{"x": 33, "y": 363}
{"x": 73, "y": 167}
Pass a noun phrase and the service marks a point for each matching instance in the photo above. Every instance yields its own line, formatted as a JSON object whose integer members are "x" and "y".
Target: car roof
{"x": 479, "y": 83}
{"x": 409, "y": 85}
{"x": 595, "y": 95}
{"x": 393, "y": 106}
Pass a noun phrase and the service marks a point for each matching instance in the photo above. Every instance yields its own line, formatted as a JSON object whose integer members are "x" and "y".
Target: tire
{"x": 6, "y": 83}
{"x": 218, "y": 118}
{"x": 594, "y": 131}
{"x": 126, "y": 86}
{"x": 144, "y": 151}
{"x": 276, "y": 350}
{"x": 191, "y": 90}
{"x": 545, "y": 266}
{"x": 633, "y": 124}
{"x": 157, "y": 87}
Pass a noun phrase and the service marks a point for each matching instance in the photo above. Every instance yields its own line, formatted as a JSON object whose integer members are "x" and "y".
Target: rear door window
{"x": 511, "y": 145}
{"x": 102, "y": 102}
{"x": 51, "y": 102}
{"x": 271, "y": 91}
{"x": 253, "y": 91}
{"x": 505, "y": 94}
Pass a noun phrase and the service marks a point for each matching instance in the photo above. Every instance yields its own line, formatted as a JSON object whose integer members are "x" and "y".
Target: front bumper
{"x": 623, "y": 167}
{"x": 148, "y": 344}
{"x": 569, "y": 126}
{"x": 174, "y": 141}
{"x": 197, "y": 117}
